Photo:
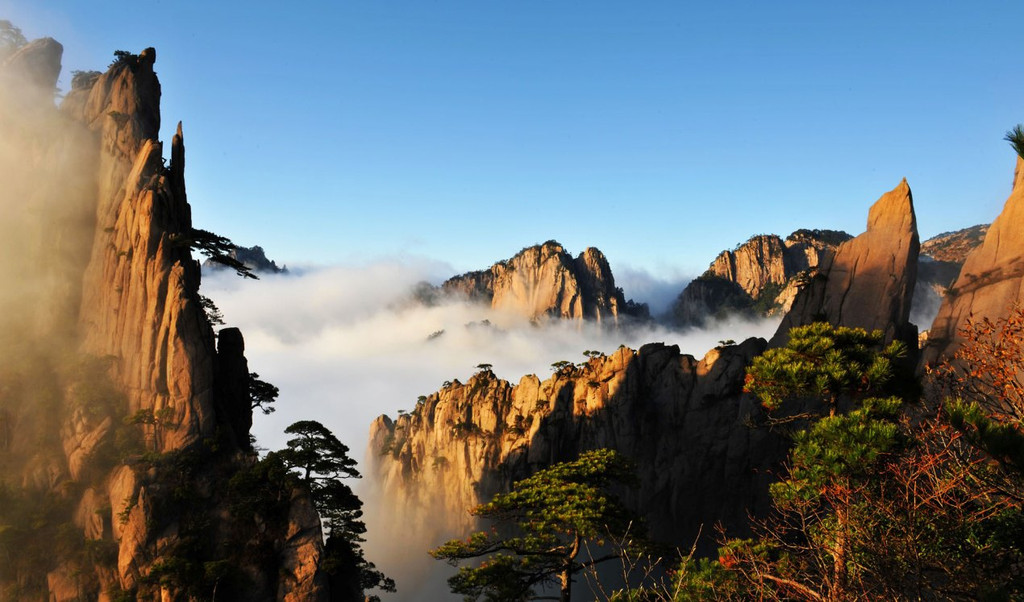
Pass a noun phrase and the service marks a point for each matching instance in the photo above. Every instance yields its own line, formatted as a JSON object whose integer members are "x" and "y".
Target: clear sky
{"x": 660, "y": 132}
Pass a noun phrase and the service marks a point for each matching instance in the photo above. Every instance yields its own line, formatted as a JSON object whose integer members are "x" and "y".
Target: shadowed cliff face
{"x": 120, "y": 424}
{"x": 991, "y": 280}
{"x": 682, "y": 422}
{"x": 758, "y": 277}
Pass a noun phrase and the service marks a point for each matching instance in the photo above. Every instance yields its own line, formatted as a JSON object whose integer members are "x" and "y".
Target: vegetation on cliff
{"x": 884, "y": 499}
{"x": 551, "y": 526}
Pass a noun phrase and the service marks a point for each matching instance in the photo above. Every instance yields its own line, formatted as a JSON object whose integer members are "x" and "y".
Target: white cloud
{"x": 344, "y": 345}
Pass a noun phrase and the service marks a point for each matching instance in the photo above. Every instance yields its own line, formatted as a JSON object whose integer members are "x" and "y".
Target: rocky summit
{"x": 545, "y": 281}
{"x": 759, "y": 277}
{"x": 869, "y": 282}
{"x": 681, "y": 420}
{"x": 121, "y": 418}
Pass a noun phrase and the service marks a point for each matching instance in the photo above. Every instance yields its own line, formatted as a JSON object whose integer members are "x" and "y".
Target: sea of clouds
{"x": 347, "y": 343}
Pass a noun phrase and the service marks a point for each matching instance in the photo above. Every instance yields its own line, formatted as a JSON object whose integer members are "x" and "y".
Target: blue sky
{"x": 660, "y": 132}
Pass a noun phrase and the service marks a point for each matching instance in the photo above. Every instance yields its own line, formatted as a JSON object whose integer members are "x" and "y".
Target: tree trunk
{"x": 566, "y": 576}
{"x": 839, "y": 576}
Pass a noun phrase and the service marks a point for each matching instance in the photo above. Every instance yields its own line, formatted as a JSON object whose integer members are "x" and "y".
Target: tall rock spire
{"x": 869, "y": 282}
{"x": 991, "y": 280}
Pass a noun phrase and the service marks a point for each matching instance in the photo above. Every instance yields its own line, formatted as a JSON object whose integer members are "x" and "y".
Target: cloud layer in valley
{"x": 348, "y": 343}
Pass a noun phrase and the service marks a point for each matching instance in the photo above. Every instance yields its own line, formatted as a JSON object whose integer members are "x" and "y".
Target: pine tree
{"x": 552, "y": 516}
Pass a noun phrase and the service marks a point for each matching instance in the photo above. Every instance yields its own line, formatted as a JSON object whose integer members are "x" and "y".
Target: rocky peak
{"x": 144, "y": 419}
{"x": 754, "y": 264}
{"x": 869, "y": 282}
{"x": 545, "y": 281}
{"x": 991, "y": 280}
{"x": 954, "y": 247}
{"x": 756, "y": 278}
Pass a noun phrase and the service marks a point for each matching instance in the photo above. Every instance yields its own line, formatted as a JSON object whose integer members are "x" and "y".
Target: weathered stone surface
{"x": 869, "y": 282}
{"x": 544, "y": 281}
{"x": 756, "y": 278}
{"x": 302, "y": 551}
{"x": 109, "y": 329}
{"x": 756, "y": 263}
{"x": 680, "y": 420}
{"x": 991, "y": 280}
{"x": 954, "y": 247}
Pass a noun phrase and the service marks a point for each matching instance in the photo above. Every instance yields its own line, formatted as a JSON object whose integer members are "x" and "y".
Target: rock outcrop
{"x": 118, "y": 414}
{"x": 756, "y": 278}
{"x": 545, "y": 281}
{"x": 991, "y": 281}
{"x": 682, "y": 421}
{"x": 869, "y": 282}
{"x": 954, "y": 247}
{"x": 254, "y": 258}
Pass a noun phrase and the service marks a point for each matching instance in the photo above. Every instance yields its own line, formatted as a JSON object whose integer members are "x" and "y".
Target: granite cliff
{"x": 545, "y": 281}
{"x": 679, "y": 418}
{"x": 869, "y": 281}
{"x": 759, "y": 277}
{"x": 685, "y": 422}
{"x": 991, "y": 281}
{"x": 125, "y": 457}
{"x": 762, "y": 276}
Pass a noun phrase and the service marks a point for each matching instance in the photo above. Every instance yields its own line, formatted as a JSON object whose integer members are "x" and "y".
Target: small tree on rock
{"x": 323, "y": 461}
{"x": 552, "y": 516}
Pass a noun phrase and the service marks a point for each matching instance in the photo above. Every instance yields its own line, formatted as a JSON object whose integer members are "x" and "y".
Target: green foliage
{"x": 561, "y": 365}
{"x": 835, "y": 461}
{"x": 766, "y": 300}
{"x": 1016, "y": 139}
{"x": 84, "y": 80}
{"x": 838, "y": 448}
{"x": 323, "y": 461}
{"x": 1003, "y": 441}
{"x": 824, "y": 362}
{"x": 317, "y": 453}
{"x": 551, "y": 514}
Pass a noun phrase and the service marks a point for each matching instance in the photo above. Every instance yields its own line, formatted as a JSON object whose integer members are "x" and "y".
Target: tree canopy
{"x": 881, "y": 499}
{"x": 544, "y": 526}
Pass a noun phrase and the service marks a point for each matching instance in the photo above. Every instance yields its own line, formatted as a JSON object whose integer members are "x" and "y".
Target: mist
{"x": 347, "y": 343}
{"x": 656, "y": 290}
{"x": 47, "y": 201}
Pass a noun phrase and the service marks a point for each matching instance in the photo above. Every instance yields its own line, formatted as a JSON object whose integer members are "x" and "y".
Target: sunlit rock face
{"x": 545, "y": 281}
{"x": 115, "y": 406}
{"x": 759, "y": 277}
{"x": 682, "y": 422}
{"x": 991, "y": 281}
{"x": 869, "y": 282}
